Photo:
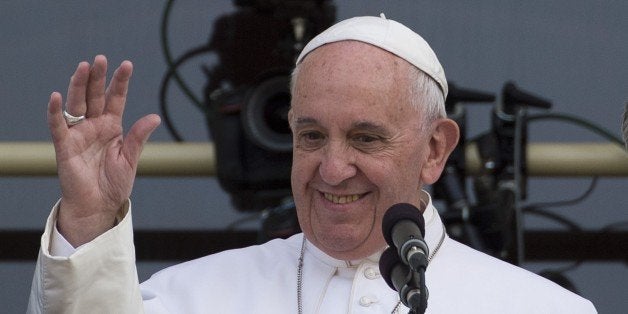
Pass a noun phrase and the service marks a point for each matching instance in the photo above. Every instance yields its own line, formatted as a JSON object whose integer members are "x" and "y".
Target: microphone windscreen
{"x": 387, "y": 262}
{"x": 625, "y": 125}
{"x": 398, "y": 212}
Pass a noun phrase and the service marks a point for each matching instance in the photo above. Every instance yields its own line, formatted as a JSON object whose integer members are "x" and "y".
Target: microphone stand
{"x": 415, "y": 292}
{"x": 409, "y": 283}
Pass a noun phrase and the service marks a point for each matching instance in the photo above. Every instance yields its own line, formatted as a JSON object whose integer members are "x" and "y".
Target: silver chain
{"x": 300, "y": 272}
{"x": 300, "y": 277}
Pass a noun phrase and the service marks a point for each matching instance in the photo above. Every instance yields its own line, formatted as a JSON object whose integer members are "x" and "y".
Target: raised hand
{"x": 96, "y": 164}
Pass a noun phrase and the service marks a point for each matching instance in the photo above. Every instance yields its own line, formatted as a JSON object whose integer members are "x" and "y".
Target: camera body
{"x": 247, "y": 95}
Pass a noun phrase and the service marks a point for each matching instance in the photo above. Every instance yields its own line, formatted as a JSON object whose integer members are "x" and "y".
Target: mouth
{"x": 342, "y": 199}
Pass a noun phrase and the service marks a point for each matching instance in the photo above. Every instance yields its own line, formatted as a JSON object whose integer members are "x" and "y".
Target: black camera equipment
{"x": 502, "y": 182}
{"x": 248, "y": 98}
{"x": 451, "y": 185}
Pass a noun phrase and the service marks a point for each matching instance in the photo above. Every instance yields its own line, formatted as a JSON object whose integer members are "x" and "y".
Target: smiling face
{"x": 359, "y": 146}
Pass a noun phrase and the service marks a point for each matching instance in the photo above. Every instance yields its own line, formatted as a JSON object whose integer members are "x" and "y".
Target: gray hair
{"x": 425, "y": 94}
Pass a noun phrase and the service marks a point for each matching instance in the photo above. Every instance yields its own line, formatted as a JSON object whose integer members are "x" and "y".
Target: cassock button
{"x": 366, "y": 301}
{"x": 371, "y": 273}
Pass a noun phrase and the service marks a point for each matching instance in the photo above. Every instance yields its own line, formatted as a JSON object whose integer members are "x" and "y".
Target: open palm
{"x": 96, "y": 164}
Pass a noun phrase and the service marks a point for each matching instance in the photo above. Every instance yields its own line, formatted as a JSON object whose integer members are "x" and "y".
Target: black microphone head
{"x": 387, "y": 262}
{"x": 398, "y": 212}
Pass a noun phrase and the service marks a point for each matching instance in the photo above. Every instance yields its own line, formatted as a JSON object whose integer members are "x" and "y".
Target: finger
{"x": 56, "y": 122}
{"x": 137, "y": 137}
{"x": 96, "y": 87}
{"x": 75, "y": 102}
{"x": 116, "y": 92}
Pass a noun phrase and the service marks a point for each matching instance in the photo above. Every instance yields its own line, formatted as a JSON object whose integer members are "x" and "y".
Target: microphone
{"x": 625, "y": 125}
{"x": 399, "y": 278}
{"x": 512, "y": 97}
{"x": 404, "y": 227}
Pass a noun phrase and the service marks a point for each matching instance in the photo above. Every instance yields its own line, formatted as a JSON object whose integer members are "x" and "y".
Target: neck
{"x": 367, "y": 250}
{"x": 344, "y": 258}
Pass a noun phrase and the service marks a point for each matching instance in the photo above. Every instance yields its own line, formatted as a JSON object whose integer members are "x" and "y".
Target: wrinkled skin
{"x": 358, "y": 146}
{"x": 96, "y": 164}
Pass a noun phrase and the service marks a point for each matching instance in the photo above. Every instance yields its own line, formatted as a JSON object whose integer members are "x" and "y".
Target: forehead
{"x": 353, "y": 58}
{"x": 356, "y": 80}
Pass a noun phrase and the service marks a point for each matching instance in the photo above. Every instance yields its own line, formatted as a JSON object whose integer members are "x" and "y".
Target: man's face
{"x": 358, "y": 146}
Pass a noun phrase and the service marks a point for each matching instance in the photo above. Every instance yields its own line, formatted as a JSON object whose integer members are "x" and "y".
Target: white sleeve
{"x": 59, "y": 245}
{"x": 67, "y": 283}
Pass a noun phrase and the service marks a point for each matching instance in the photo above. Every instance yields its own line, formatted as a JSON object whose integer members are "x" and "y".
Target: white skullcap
{"x": 388, "y": 35}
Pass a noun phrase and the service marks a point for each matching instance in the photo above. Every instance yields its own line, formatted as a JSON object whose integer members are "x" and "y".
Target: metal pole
{"x": 198, "y": 159}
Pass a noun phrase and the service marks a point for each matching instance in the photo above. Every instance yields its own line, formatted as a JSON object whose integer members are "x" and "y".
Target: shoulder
{"x": 232, "y": 266}
{"x": 216, "y": 280}
{"x": 250, "y": 258}
{"x": 493, "y": 283}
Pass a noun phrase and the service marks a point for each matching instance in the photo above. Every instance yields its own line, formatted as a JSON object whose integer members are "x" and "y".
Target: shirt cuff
{"x": 59, "y": 245}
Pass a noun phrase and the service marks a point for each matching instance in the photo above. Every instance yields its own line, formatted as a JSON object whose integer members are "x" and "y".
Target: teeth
{"x": 341, "y": 199}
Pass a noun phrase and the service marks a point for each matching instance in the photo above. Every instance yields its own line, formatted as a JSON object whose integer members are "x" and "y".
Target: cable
{"x": 557, "y": 274}
{"x": 574, "y": 119}
{"x": 562, "y": 220}
{"x": 169, "y": 59}
{"x": 538, "y": 208}
{"x": 164, "y": 87}
{"x": 553, "y": 216}
{"x": 570, "y": 202}
{"x": 234, "y": 224}
{"x": 173, "y": 65}
{"x": 615, "y": 225}
{"x": 580, "y": 121}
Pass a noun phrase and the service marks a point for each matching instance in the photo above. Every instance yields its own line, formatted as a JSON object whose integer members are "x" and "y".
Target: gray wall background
{"x": 572, "y": 52}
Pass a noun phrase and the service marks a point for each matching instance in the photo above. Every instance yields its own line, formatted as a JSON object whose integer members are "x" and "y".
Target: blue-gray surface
{"x": 572, "y": 52}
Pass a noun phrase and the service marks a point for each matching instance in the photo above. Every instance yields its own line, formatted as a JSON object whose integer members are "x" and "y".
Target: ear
{"x": 290, "y": 117}
{"x": 443, "y": 140}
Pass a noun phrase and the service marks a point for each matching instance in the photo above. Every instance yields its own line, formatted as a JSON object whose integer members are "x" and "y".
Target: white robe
{"x": 100, "y": 277}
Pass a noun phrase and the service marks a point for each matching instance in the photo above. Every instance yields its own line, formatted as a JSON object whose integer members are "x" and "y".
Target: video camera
{"x": 248, "y": 95}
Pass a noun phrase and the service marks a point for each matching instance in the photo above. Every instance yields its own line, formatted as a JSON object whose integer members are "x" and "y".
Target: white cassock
{"x": 100, "y": 277}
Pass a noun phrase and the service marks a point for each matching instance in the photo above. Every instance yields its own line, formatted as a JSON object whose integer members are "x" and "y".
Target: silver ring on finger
{"x": 72, "y": 120}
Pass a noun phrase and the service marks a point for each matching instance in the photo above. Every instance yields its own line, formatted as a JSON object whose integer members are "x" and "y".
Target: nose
{"x": 337, "y": 164}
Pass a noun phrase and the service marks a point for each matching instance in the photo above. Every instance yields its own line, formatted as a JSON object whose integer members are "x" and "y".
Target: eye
{"x": 310, "y": 139}
{"x": 366, "y": 138}
{"x": 312, "y": 135}
{"x": 368, "y": 142}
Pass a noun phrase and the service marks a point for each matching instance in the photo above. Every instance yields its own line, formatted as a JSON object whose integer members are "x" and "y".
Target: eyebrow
{"x": 370, "y": 126}
{"x": 305, "y": 120}
{"x": 360, "y": 125}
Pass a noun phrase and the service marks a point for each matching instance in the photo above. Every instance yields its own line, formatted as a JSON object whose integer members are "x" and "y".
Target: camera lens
{"x": 265, "y": 114}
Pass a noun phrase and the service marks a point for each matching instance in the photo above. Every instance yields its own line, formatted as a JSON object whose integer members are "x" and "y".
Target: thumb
{"x": 137, "y": 136}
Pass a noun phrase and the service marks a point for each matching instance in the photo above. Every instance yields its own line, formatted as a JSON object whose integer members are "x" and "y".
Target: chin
{"x": 342, "y": 245}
